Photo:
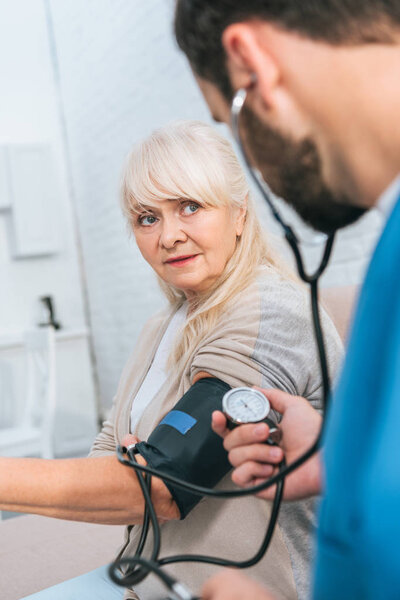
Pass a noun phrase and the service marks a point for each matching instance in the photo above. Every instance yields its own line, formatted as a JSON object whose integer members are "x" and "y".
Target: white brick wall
{"x": 121, "y": 76}
{"x": 28, "y": 115}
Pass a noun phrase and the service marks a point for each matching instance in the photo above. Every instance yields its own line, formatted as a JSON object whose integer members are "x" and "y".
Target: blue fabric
{"x": 358, "y": 553}
{"x": 95, "y": 585}
{"x": 179, "y": 420}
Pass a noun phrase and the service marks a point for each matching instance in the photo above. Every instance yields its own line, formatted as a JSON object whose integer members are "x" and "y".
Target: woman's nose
{"x": 171, "y": 233}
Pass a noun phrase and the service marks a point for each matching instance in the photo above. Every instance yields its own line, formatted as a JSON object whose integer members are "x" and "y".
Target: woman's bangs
{"x": 167, "y": 176}
{"x": 185, "y": 172}
{"x": 141, "y": 189}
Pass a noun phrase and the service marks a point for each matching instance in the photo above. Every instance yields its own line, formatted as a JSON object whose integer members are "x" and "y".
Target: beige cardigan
{"x": 263, "y": 338}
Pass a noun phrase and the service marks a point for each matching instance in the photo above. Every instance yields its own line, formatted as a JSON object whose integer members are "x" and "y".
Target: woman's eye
{"x": 147, "y": 220}
{"x": 190, "y": 208}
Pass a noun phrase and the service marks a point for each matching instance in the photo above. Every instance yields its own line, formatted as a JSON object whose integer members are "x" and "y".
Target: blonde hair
{"x": 189, "y": 159}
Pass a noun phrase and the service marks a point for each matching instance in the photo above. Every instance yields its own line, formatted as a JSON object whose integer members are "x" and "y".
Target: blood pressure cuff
{"x": 184, "y": 445}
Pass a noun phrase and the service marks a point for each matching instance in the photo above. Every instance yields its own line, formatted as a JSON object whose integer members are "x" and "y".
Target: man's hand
{"x": 255, "y": 461}
{"x": 231, "y": 585}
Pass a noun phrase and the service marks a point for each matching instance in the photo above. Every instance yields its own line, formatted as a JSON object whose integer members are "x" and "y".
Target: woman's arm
{"x": 96, "y": 490}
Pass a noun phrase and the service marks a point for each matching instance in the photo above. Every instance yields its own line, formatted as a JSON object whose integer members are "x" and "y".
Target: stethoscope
{"x": 293, "y": 241}
{"x": 137, "y": 568}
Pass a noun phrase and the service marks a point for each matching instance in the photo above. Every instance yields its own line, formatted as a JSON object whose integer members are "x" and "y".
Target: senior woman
{"x": 235, "y": 313}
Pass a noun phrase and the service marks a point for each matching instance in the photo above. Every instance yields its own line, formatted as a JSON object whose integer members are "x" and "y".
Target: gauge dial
{"x": 245, "y": 405}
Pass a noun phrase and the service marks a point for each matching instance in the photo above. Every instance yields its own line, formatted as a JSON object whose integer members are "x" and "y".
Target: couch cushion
{"x": 37, "y": 552}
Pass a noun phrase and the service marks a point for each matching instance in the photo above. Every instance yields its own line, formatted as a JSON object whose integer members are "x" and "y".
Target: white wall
{"x": 29, "y": 115}
{"x": 121, "y": 76}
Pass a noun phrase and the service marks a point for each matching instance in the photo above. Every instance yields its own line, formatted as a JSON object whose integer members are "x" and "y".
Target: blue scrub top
{"x": 358, "y": 550}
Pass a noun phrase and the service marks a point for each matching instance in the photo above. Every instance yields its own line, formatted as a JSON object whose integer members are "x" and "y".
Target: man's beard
{"x": 293, "y": 171}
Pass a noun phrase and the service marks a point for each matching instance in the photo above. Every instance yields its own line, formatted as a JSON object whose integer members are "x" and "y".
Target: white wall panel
{"x": 33, "y": 199}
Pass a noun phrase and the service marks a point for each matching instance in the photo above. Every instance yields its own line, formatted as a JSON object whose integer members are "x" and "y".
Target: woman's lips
{"x": 180, "y": 261}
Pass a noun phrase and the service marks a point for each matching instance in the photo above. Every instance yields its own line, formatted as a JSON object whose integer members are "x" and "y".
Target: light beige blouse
{"x": 263, "y": 338}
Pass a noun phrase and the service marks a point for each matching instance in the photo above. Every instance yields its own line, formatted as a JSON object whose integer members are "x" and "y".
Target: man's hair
{"x": 199, "y": 25}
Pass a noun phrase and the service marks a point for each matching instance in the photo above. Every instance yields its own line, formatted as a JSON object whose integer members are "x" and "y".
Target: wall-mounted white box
{"x": 33, "y": 198}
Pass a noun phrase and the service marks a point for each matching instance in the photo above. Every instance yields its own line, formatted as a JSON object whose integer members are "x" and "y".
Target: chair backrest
{"x": 40, "y": 403}
{"x": 339, "y": 303}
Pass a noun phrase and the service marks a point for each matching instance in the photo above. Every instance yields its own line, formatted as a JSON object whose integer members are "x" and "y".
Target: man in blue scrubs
{"x": 321, "y": 122}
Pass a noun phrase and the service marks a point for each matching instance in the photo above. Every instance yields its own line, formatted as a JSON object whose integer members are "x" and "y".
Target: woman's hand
{"x": 129, "y": 440}
{"x": 231, "y": 585}
{"x": 255, "y": 461}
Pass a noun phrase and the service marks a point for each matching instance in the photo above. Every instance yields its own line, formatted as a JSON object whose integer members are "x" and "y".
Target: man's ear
{"x": 241, "y": 217}
{"x": 250, "y": 60}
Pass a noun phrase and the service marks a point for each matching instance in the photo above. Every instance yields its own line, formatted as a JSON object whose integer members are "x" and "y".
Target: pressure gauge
{"x": 246, "y": 405}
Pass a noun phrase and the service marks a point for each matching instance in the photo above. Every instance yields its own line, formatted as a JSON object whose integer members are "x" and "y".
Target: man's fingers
{"x": 219, "y": 587}
{"x": 245, "y": 435}
{"x": 218, "y": 423}
{"x": 268, "y": 493}
{"x": 242, "y": 435}
{"x": 246, "y": 473}
{"x": 262, "y": 453}
{"x": 231, "y": 585}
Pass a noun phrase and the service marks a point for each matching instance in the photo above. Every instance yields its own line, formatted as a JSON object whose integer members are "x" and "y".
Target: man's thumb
{"x": 279, "y": 400}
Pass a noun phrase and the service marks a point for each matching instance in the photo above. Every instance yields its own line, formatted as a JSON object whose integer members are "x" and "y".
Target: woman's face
{"x": 187, "y": 244}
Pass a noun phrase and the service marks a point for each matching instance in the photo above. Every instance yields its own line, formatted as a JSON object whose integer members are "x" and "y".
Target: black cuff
{"x": 184, "y": 445}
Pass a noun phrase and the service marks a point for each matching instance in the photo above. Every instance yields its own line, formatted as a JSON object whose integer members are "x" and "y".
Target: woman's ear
{"x": 240, "y": 218}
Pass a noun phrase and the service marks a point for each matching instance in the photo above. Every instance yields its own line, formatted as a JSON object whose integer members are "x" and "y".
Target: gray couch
{"x": 37, "y": 552}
